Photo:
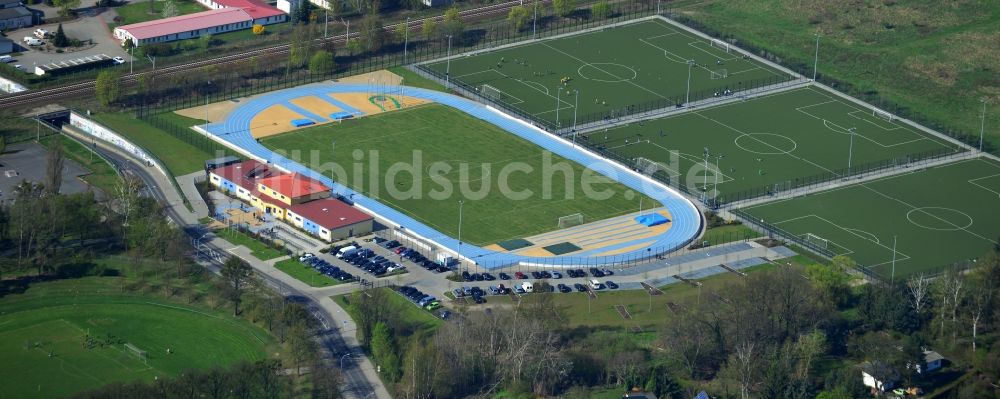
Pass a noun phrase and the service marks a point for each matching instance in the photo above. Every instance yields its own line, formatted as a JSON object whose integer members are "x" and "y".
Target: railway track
{"x": 75, "y": 90}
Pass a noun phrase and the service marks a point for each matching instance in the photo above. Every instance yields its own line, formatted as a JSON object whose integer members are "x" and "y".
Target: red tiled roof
{"x": 189, "y": 22}
{"x": 255, "y": 8}
{"x": 245, "y": 174}
{"x": 293, "y": 185}
{"x": 330, "y": 213}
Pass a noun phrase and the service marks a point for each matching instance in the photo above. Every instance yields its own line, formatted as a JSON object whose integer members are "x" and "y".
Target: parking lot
{"x": 90, "y": 27}
{"x": 27, "y": 162}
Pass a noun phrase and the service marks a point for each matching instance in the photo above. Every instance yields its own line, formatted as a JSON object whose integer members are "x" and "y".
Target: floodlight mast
{"x": 850, "y": 151}
{"x": 816, "y": 58}
{"x": 687, "y": 97}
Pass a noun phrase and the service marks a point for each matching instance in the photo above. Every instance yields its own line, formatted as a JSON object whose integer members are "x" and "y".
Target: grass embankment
{"x": 44, "y": 329}
{"x": 410, "y": 78}
{"x": 179, "y": 157}
{"x": 304, "y": 273}
{"x": 102, "y": 176}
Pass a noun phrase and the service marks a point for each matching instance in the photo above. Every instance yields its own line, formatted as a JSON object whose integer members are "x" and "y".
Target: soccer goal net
{"x": 132, "y": 349}
{"x": 882, "y": 114}
{"x": 491, "y": 93}
{"x": 720, "y": 44}
{"x": 816, "y": 240}
{"x": 575, "y": 219}
{"x": 720, "y": 74}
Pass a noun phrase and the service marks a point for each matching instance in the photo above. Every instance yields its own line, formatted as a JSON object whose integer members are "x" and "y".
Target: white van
{"x": 41, "y": 33}
{"x": 594, "y": 284}
{"x": 33, "y": 42}
{"x": 527, "y": 286}
{"x": 345, "y": 251}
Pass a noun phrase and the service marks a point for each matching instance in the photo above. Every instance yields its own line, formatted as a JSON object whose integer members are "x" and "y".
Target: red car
{"x": 519, "y": 275}
{"x": 399, "y": 249}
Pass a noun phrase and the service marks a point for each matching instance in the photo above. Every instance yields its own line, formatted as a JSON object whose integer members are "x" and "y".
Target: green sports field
{"x": 775, "y": 142}
{"x": 43, "y": 333}
{"x": 436, "y": 141}
{"x": 639, "y": 65}
{"x": 939, "y": 216}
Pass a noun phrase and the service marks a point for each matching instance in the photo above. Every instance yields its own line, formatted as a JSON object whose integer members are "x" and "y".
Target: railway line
{"x": 74, "y": 90}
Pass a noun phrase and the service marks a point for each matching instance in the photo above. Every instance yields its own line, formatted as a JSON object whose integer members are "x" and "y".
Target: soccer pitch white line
{"x": 766, "y": 144}
{"x": 843, "y": 130}
{"x": 609, "y": 73}
{"x": 695, "y": 43}
{"x": 920, "y": 209}
{"x": 546, "y": 92}
{"x": 472, "y": 73}
{"x": 852, "y": 114}
{"x": 973, "y": 182}
{"x": 745, "y": 70}
{"x": 849, "y": 231}
{"x": 694, "y": 159}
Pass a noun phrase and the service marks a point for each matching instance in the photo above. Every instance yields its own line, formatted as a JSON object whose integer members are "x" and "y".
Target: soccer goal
{"x": 141, "y": 354}
{"x": 492, "y": 93}
{"x": 883, "y": 114}
{"x": 720, "y": 44}
{"x": 720, "y": 74}
{"x": 816, "y": 240}
{"x": 575, "y": 219}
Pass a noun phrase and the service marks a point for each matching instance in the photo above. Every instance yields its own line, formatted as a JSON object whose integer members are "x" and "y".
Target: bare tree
{"x": 919, "y": 287}
{"x": 54, "y": 164}
{"x": 741, "y": 367}
{"x": 979, "y": 302}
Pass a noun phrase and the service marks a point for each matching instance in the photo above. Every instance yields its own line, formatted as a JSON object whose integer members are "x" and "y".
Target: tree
{"x": 169, "y": 9}
{"x": 742, "y": 367}
{"x": 518, "y": 17}
{"x": 370, "y": 32}
{"x": 600, "y": 10}
{"x": 321, "y": 63}
{"x": 107, "y": 87}
{"x": 237, "y": 275}
{"x": 809, "y": 347}
{"x": 563, "y": 8}
{"x": 60, "y": 39}
{"x": 399, "y": 33}
{"x": 384, "y": 351}
{"x": 258, "y": 29}
{"x": 65, "y": 6}
{"x": 429, "y": 28}
{"x": 303, "y": 348}
{"x": 206, "y": 41}
{"x": 832, "y": 280}
{"x": 54, "y": 167}
{"x": 919, "y": 289}
{"x": 452, "y": 24}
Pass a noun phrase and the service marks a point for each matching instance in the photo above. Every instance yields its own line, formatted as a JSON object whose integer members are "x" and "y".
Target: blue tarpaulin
{"x": 652, "y": 219}
{"x": 302, "y": 122}
{"x": 341, "y": 115}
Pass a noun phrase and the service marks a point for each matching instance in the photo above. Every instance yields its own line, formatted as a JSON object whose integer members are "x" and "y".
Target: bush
{"x": 258, "y": 29}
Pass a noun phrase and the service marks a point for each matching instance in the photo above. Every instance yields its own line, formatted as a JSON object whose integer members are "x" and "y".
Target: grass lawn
{"x": 729, "y": 233}
{"x": 305, "y": 274}
{"x": 43, "y": 329}
{"x": 642, "y": 65}
{"x": 102, "y": 175}
{"x": 178, "y": 156}
{"x": 938, "y": 216}
{"x": 407, "y": 315}
{"x": 257, "y": 248}
{"x": 454, "y": 149}
{"x": 777, "y": 142}
{"x": 937, "y": 59}
{"x": 410, "y": 78}
{"x": 138, "y": 11}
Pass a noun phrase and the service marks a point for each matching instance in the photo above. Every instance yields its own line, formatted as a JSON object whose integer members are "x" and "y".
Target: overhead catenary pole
{"x": 816, "y": 58}
{"x": 406, "y": 37}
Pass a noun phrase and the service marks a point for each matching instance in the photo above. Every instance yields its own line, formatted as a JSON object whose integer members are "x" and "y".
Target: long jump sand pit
{"x": 381, "y": 77}
{"x": 276, "y": 119}
{"x": 316, "y": 105}
{"x": 216, "y": 112}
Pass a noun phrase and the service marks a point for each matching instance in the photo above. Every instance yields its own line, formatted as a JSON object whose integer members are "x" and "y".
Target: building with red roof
{"x": 240, "y": 178}
{"x": 330, "y": 219}
{"x": 292, "y": 188}
{"x": 224, "y": 16}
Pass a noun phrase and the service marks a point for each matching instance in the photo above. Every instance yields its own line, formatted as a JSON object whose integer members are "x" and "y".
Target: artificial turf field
{"x": 939, "y": 215}
{"x": 767, "y": 143}
{"x": 450, "y": 138}
{"x": 628, "y": 65}
{"x": 58, "y": 315}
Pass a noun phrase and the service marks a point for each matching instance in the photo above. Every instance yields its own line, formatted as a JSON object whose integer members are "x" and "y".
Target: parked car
{"x": 504, "y": 276}
{"x": 466, "y": 276}
{"x": 536, "y": 275}
{"x": 580, "y": 287}
{"x": 305, "y": 256}
{"x": 6, "y": 59}
{"x": 444, "y": 315}
{"x": 611, "y": 285}
{"x": 518, "y": 289}
{"x": 399, "y": 250}
{"x": 608, "y": 272}
{"x": 564, "y": 288}
{"x": 118, "y": 60}
{"x": 488, "y": 277}
{"x": 557, "y": 275}
{"x": 519, "y": 276}
{"x": 41, "y": 33}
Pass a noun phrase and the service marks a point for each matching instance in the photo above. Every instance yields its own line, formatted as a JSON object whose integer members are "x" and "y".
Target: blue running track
{"x": 686, "y": 217}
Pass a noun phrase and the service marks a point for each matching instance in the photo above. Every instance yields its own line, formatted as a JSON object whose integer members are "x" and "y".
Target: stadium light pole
{"x": 534, "y": 22}
{"x": 576, "y": 104}
{"x": 406, "y": 38}
{"x": 892, "y": 277}
{"x": 447, "y": 70}
{"x": 816, "y": 57}
{"x": 718, "y": 169}
{"x": 982, "y": 124}
{"x": 687, "y": 97}
{"x": 704, "y": 186}
{"x": 850, "y": 150}
{"x": 558, "y": 92}
{"x": 460, "y": 204}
